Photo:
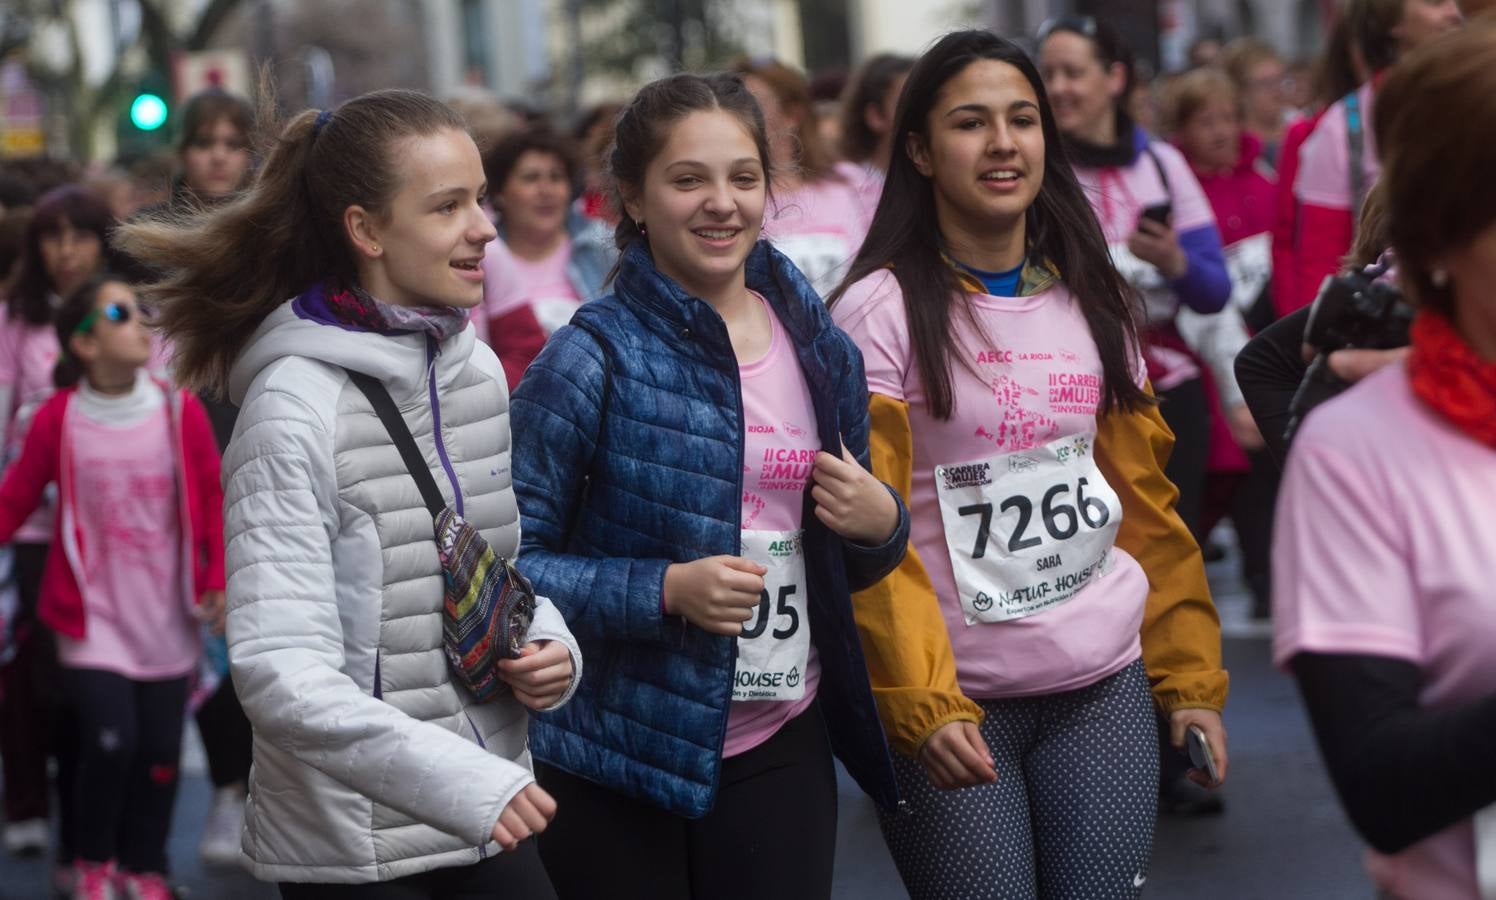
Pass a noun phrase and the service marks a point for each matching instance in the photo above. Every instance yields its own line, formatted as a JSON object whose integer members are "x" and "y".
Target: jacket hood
{"x": 399, "y": 361}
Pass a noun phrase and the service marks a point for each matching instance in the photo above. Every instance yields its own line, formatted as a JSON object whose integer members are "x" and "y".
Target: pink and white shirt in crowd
{"x": 28, "y": 354}
{"x": 1383, "y": 547}
{"x": 820, "y": 226}
{"x": 1034, "y": 378}
{"x": 502, "y": 286}
{"x": 867, "y": 180}
{"x": 129, "y": 514}
{"x": 1323, "y": 178}
{"x": 545, "y": 285}
{"x": 780, "y": 443}
{"x": 1118, "y": 196}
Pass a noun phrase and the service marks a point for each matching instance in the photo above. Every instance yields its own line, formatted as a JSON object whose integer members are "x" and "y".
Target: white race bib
{"x": 775, "y": 644}
{"x": 1027, "y": 530}
{"x": 822, "y": 258}
{"x": 1158, "y": 298}
{"x": 1249, "y": 262}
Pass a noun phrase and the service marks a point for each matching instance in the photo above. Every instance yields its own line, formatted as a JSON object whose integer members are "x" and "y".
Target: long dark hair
{"x": 868, "y": 86}
{"x": 29, "y": 299}
{"x": 644, "y": 126}
{"x": 227, "y": 268}
{"x": 1060, "y": 228}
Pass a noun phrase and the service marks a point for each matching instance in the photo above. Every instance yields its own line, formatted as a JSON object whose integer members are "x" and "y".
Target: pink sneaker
{"x": 144, "y": 886}
{"x": 93, "y": 881}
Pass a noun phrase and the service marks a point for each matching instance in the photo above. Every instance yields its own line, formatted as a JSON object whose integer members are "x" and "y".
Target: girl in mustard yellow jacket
{"x": 1051, "y": 595}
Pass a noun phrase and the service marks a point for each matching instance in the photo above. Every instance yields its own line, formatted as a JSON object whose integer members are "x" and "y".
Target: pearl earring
{"x": 1439, "y": 278}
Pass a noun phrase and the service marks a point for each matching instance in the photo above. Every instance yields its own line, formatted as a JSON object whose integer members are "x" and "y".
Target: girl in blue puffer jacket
{"x": 690, "y": 461}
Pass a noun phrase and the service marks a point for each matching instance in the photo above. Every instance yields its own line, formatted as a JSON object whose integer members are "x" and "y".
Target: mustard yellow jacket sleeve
{"x": 1181, "y": 633}
{"x": 908, "y": 652}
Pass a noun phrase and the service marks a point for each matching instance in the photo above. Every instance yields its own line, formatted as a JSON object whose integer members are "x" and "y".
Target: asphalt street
{"x": 1282, "y": 835}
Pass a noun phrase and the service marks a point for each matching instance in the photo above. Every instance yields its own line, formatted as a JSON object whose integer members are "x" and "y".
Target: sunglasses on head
{"x": 117, "y": 313}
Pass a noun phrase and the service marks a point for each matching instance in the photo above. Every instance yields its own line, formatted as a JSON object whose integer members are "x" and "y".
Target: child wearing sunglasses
{"x": 136, "y": 564}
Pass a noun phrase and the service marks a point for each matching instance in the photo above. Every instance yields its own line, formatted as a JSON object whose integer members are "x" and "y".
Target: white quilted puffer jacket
{"x": 370, "y": 763}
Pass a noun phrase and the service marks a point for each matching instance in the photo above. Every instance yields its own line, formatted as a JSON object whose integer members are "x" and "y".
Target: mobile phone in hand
{"x": 1159, "y": 212}
{"x": 1200, "y": 755}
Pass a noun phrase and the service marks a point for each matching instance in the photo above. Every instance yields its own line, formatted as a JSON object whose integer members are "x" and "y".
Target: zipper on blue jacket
{"x": 432, "y": 352}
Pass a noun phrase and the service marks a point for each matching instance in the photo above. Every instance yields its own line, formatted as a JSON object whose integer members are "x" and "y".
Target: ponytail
{"x": 227, "y": 268}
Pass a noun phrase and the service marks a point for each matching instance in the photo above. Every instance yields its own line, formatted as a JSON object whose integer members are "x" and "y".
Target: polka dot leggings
{"x": 1070, "y": 816}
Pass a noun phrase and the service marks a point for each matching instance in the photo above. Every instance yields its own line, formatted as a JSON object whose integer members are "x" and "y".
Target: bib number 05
{"x": 774, "y": 648}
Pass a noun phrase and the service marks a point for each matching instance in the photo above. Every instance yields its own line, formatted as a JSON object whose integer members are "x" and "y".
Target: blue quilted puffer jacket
{"x": 663, "y": 475}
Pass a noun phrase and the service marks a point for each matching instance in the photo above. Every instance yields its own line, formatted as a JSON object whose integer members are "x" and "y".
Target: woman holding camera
{"x": 1384, "y": 608}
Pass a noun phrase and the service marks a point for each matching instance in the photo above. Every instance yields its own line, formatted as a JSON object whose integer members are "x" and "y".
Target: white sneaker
{"x": 27, "y": 838}
{"x": 220, "y": 843}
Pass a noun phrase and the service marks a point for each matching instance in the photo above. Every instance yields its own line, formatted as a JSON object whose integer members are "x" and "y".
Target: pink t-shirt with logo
{"x": 1383, "y": 547}
{"x": 28, "y": 354}
{"x": 128, "y": 508}
{"x": 544, "y": 285}
{"x": 1325, "y": 160}
{"x": 1038, "y": 380}
{"x": 820, "y": 226}
{"x": 780, "y": 442}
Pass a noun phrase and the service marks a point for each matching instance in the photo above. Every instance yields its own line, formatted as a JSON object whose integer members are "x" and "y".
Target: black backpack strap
{"x": 1162, "y": 175}
{"x": 602, "y": 415}
{"x": 405, "y": 442}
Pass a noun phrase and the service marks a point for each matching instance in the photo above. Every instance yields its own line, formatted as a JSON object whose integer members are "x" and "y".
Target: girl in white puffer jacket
{"x": 373, "y": 762}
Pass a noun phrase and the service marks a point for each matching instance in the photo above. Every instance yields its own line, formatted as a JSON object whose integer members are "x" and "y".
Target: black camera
{"x": 1356, "y": 310}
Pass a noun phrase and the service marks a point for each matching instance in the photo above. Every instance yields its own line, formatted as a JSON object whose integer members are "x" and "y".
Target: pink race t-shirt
{"x": 1324, "y": 178}
{"x": 544, "y": 285}
{"x": 1383, "y": 547}
{"x": 820, "y": 226}
{"x": 503, "y": 287}
{"x": 780, "y": 442}
{"x": 867, "y": 180}
{"x": 28, "y": 354}
{"x": 1034, "y": 379}
{"x": 128, "y": 511}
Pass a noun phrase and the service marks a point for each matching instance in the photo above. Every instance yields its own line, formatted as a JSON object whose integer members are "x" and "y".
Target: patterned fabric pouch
{"x": 487, "y": 604}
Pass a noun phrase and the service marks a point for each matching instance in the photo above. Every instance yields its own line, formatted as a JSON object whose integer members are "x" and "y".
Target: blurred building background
{"x": 98, "y": 79}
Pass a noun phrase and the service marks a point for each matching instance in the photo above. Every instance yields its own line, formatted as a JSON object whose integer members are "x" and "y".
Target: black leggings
{"x": 517, "y": 874}
{"x": 772, "y": 832}
{"x": 130, "y": 739}
{"x": 227, "y": 737}
{"x": 1186, "y": 410}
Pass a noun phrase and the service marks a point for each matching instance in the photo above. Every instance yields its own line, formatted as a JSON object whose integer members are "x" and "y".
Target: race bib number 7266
{"x": 1027, "y": 530}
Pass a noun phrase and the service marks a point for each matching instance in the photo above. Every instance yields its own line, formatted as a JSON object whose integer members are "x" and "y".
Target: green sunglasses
{"x": 115, "y": 312}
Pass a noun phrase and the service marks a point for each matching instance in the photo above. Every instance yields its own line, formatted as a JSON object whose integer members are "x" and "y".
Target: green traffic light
{"x": 148, "y": 112}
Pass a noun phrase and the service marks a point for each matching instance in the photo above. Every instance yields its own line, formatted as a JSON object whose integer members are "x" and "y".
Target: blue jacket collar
{"x": 666, "y": 306}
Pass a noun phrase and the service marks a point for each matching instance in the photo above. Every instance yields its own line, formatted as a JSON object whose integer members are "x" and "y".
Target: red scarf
{"x": 1449, "y": 377}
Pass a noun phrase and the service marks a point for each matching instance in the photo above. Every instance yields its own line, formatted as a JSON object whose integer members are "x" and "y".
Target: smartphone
{"x": 1200, "y": 755}
{"x": 1159, "y": 212}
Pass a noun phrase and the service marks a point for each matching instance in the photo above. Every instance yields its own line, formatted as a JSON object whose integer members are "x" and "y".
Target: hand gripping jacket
{"x": 665, "y": 473}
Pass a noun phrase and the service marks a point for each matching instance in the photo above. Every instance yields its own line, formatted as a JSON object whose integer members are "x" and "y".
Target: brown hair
{"x": 1438, "y": 177}
{"x": 76, "y": 205}
{"x": 1188, "y": 93}
{"x": 867, "y": 87}
{"x": 644, "y": 127}
{"x": 500, "y": 160}
{"x": 206, "y": 108}
{"x": 1340, "y": 68}
{"x": 1243, "y": 55}
{"x": 1371, "y": 231}
{"x": 814, "y": 159}
{"x": 226, "y": 269}
{"x": 1371, "y": 23}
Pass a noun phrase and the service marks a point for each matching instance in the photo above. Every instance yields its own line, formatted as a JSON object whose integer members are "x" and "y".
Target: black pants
{"x": 34, "y": 720}
{"x": 227, "y": 738}
{"x": 772, "y": 832}
{"x": 130, "y": 741}
{"x": 517, "y": 874}
{"x": 1186, "y": 410}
